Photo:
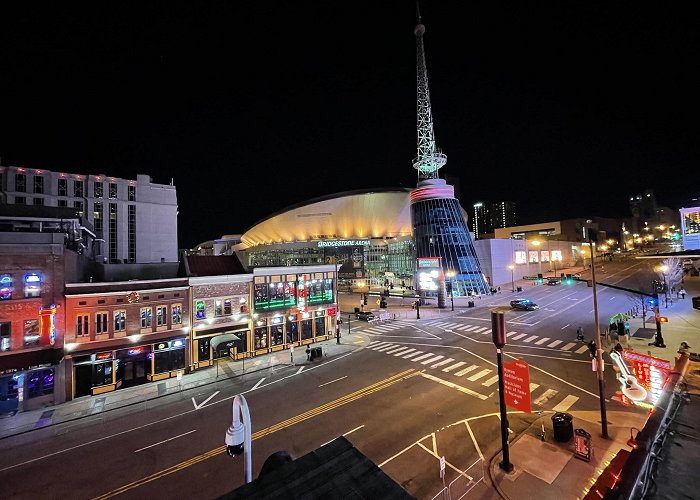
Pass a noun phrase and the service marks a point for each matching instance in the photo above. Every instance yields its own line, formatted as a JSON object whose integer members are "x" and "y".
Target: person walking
{"x": 682, "y": 292}
{"x": 579, "y": 334}
{"x": 337, "y": 330}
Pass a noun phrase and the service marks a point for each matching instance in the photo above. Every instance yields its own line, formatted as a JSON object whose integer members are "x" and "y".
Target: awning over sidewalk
{"x": 226, "y": 341}
{"x": 32, "y": 359}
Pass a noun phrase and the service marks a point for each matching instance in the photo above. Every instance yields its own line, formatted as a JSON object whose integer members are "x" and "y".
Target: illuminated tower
{"x": 439, "y": 223}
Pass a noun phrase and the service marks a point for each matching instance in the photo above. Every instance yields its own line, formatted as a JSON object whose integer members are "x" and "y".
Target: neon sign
{"x": 47, "y": 324}
{"x": 343, "y": 243}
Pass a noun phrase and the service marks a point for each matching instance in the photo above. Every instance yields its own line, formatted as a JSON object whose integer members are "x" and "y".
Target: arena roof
{"x": 371, "y": 213}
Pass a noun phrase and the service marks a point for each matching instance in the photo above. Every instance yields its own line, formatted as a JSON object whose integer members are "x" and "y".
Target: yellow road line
{"x": 348, "y": 398}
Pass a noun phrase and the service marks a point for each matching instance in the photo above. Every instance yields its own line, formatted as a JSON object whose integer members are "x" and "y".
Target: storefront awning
{"x": 221, "y": 339}
{"x": 28, "y": 360}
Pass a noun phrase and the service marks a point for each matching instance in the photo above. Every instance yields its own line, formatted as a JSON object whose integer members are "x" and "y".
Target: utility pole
{"x": 599, "y": 351}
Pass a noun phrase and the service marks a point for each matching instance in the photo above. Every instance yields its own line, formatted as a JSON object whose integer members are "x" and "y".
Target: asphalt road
{"x": 418, "y": 391}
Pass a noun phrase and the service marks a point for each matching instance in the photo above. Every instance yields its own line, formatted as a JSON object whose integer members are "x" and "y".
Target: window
{"x": 556, "y": 255}
{"x": 97, "y": 216}
{"x": 227, "y": 307}
{"x": 275, "y": 295}
{"x": 62, "y": 203}
{"x": 31, "y": 332}
{"x": 131, "y": 221}
{"x": 200, "y": 308}
{"x": 5, "y": 336}
{"x": 39, "y": 184}
{"x": 177, "y": 314}
{"x": 78, "y": 205}
{"x": 112, "y": 189}
{"x": 20, "y": 200}
{"x": 161, "y": 316}
{"x": 20, "y": 183}
{"x": 38, "y": 201}
{"x": 533, "y": 257}
{"x": 78, "y": 187}
{"x": 32, "y": 285}
{"x": 520, "y": 257}
{"x": 544, "y": 256}
{"x": 113, "y": 232}
{"x": 62, "y": 187}
{"x": 101, "y": 323}
{"x": 5, "y": 287}
{"x": 218, "y": 308}
{"x": 40, "y": 383}
{"x": 132, "y": 193}
{"x": 82, "y": 322}
{"x": 146, "y": 317}
{"x": 119, "y": 321}
{"x": 97, "y": 189}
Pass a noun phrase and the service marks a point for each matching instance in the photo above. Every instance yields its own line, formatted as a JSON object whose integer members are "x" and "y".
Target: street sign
{"x": 516, "y": 385}
{"x": 442, "y": 466}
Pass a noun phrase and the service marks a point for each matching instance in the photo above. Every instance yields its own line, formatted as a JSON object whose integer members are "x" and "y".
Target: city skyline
{"x": 581, "y": 105}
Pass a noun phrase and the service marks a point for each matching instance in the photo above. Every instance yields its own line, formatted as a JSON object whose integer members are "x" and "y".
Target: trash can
{"x": 563, "y": 427}
{"x": 520, "y": 289}
{"x": 357, "y": 309}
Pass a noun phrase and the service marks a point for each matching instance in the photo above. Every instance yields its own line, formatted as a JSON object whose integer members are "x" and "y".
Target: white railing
{"x": 463, "y": 483}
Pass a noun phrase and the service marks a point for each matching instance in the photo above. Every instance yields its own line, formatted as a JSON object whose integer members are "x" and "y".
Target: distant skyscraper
{"x": 491, "y": 215}
{"x": 439, "y": 226}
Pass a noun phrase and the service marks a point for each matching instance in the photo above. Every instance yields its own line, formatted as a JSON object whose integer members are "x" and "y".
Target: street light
{"x": 663, "y": 270}
{"x": 238, "y": 435}
{"x": 451, "y": 274}
{"x": 512, "y": 280}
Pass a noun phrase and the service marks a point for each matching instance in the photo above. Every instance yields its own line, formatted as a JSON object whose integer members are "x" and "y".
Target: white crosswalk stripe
{"x": 555, "y": 343}
{"x": 375, "y": 342}
{"x": 581, "y": 349}
{"x": 510, "y": 334}
{"x": 385, "y": 347}
{"x": 533, "y": 386}
{"x": 466, "y": 370}
{"x": 430, "y": 360}
{"x": 490, "y": 381}
{"x": 542, "y": 341}
{"x": 443, "y": 362}
{"x": 518, "y": 337}
{"x": 530, "y": 339}
{"x": 471, "y": 328}
{"x": 451, "y": 325}
{"x": 398, "y": 349}
{"x": 566, "y": 403}
{"x": 423, "y": 356}
{"x": 452, "y": 367}
{"x": 478, "y": 375}
{"x": 567, "y": 346}
{"x": 412, "y": 354}
{"x": 405, "y": 352}
{"x": 464, "y": 327}
{"x": 546, "y": 396}
{"x": 483, "y": 329}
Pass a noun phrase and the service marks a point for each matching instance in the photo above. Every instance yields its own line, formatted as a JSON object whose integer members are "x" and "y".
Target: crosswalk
{"x": 475, "y": 374}
{"x": 523, "y": 338}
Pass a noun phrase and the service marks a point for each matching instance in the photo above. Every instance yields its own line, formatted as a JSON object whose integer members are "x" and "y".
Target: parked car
{"x": 553, "y": 282}
{"x": 364, "y": 315}
{"x": 523, "y": 304}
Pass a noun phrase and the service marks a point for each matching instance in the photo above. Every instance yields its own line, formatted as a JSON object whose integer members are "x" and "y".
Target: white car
{"x": 688, "y": 263}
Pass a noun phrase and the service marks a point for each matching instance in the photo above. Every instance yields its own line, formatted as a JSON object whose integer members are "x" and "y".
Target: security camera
{"x": 234, "y": 440}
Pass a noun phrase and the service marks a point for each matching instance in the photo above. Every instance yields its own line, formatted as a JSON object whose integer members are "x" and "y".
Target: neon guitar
{"x": 628, "y": 382}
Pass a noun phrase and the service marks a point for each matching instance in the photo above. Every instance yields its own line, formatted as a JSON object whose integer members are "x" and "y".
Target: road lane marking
{"x": 565, "y": 326}
{"x": 443, "y": 362}
{"x": 341, "y": 378}
{"x": 299, "y": 371}
{"x": 412, "y": 354}
{"x": 401, "y": 348}
{"x": 454, "y": 386}
{"x": 510, "y": 334}
{"x": 518, "y": 337}
{"x": 490, "y": 382}
{"x": 533, "y": 386}
{"x": 546, "y": 395}
{"x": 383, "y": 384}
{"x": 165, "y": 441}
{"x": 423, "y": 356}
{"x": 452, "y": 367}
{"x": 478, "y": 375}
{"x": 555, "y": 343}
{"x": 565, "y": 403}
{"x": 258, "y": 384}
{"x": 581, "y": 349}
{"x": 198, "y": 406}
{"x": 530, "y": 339}
{"x": 466, "y": 370}
{"x": 430, "y": 360}
{"x": 405, "y": 352}
{"x": 349, "y": 432}
{"x": 542, "y": 341}
{"x": 568, "y": 346}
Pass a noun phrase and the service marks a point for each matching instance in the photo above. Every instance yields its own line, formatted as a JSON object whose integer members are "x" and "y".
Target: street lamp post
{"x": 451, "y": 275}
{"x": 512, "y": 280}
{"x": 599, "y": 350}
{"x": 663, "y": 270}
{"x": 238, "y": 436}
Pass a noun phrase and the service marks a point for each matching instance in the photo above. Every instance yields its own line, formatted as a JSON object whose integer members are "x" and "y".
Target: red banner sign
{"x": 516, "y": 385}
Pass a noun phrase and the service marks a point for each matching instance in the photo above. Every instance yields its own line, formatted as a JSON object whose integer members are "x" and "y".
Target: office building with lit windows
{"x": 134, "y": 221}
{"x": 488, "y": 216}
{"x": 690, "y": 227}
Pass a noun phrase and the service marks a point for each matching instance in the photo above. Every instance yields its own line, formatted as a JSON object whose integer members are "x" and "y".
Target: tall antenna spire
{"x": 429, "y": 158}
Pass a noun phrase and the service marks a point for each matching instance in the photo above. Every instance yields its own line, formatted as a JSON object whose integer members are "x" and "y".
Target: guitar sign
{"x": 628, "y": 382}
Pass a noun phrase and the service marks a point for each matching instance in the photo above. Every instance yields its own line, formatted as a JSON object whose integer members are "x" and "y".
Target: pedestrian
{"x": 673, "y": 289}
{"x": 579, "y": 334}
{"x": 499, "y": 289}
{"x": 337, "y": 331}
{"x": 308, "y": 353}
{"x": 682, "y": 292}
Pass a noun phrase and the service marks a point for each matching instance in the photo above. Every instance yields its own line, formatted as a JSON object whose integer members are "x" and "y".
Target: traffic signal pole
{"x": 599, "y": 351}
{"x": 498, "y": 335}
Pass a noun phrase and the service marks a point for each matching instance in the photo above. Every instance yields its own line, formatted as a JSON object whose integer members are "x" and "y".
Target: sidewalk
{"x": 548, "y": 469}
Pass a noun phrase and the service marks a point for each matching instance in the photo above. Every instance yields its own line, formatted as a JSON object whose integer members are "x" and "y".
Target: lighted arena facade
{"x": 367, "y": 233}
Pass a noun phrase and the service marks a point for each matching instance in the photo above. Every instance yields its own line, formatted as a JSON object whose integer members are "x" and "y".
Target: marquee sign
{"x": 342, "y": 243}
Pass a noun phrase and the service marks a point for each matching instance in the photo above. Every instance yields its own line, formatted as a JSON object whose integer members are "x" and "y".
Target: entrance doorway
{"x": 131, "y": 371}
{"x": 83, "y": 380}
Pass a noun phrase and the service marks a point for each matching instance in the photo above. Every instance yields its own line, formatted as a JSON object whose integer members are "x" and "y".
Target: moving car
{"x": 523, "y": 304}
{"x": 364, "y": 315}
{"x": 553, "y": 282}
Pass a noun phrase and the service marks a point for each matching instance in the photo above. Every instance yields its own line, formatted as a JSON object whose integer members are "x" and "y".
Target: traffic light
{"x": 569, "y": 280}
{"x": 365, "y": 300}
{"x": 540, "y": 280}
{"x": 449, "y": 287}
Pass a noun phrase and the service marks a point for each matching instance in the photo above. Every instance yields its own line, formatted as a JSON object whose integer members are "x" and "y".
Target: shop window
{"x": 218, "y": 308}
{"x": 534, "y": 257}
{"x": 101, "y": 323}
{"x": 228, "y": 309}
{"x": 146, "y": 317}
{"x": 170, "y": 357}
{"x": 32, "y": 285}
{"x": 292, "y": 329}
{"x": 200, "y": 310}
{"x": 5, "y": 287}
{"x": 544, "y": 256}
{"x": 82, "y": 322}
{"x": 31, "y": 332}
{"x": 5, "y": 336}
{"x": 260, "y": 334}
{"x": 119, "y": 321}
{"x": 320, "y": 291}
{"x": 306, "y": 329}
{"x": 40, "y": 383}
{"x": 320, "y": 321}
{"x": 275, "y": 295}
{"x": 102, "y": 374}
{"x": 556, "y": 255}
{"x": 203, "y": 350}
{"x": 177, "y": 314}
{"x": 520, "y": 257}
{"x": 277, "y": 330}
{"x": 162, "y": 316}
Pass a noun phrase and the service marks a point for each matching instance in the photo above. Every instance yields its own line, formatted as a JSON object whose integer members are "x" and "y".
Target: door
{"x": 83, "y": 380}
{"x": 8, "y": 395}
{"x": 133, "y": 371}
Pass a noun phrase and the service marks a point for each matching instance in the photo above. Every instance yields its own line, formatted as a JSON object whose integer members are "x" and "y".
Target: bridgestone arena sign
{"x": 343, "y": 243}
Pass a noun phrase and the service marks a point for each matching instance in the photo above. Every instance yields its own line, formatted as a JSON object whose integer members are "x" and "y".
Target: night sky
{"x": 566, "y": 108}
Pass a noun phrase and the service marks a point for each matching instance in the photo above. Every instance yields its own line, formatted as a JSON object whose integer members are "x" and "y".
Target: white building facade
{"x": 134, "y": 220}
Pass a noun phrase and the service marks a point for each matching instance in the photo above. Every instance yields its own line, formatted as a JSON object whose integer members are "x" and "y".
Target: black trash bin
{"x": 563, "y": 424}
{"x": 520, "y": 289}
{"x": 357, "y": 309}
